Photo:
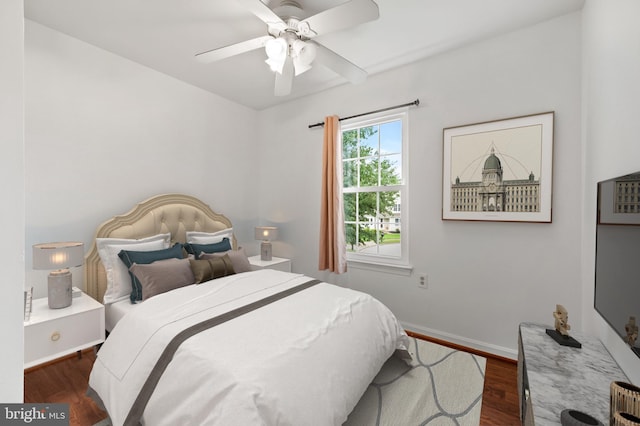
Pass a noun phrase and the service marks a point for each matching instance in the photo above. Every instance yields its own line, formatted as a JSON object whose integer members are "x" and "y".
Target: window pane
{"x": 367, "y": 206}
{"x": 390, "y": 229}
{"x": 369, "y": 141}
{"x": 367, "y": 238}
{"x": 391, "y": 170}
{"x": 390, "y": 241}
{"x": 351, "y": 236}
{"x": 391, "y": 138}
{"x": 350, "y": 144}
{"x": 369, "y": 172}
{"x": 389, "y": 206}
{"x": 349, "y": 207}
{"x": 349, "y": 174}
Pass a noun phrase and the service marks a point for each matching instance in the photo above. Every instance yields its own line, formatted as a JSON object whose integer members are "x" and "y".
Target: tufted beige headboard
{"x": 174, "y": 213}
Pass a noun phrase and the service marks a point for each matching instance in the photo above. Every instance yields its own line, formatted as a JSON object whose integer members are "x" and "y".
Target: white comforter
{"x": 303, "y": 360}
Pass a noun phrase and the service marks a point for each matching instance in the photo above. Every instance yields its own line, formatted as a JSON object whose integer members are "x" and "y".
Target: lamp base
{"x": 265, "y": 250}
{"x": 59, "y": 289}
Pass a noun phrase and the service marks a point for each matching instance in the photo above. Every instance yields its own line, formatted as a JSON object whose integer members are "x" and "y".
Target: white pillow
{"x": 118, "y": 279}
{"x": 196, "y": 237}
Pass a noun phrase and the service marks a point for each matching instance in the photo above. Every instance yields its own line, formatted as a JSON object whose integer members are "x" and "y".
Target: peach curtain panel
{"x": 333, "y": 256}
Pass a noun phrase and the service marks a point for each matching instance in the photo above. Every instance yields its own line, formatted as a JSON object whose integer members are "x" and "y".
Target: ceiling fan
{"x": 288, "y": 43}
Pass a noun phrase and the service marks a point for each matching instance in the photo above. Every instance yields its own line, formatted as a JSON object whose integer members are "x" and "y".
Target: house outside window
{"x": 375, "y": 169}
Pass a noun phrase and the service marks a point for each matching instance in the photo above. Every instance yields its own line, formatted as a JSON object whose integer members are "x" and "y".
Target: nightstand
{"x": 277, "y": 263}
{"x": 53, "y": 333}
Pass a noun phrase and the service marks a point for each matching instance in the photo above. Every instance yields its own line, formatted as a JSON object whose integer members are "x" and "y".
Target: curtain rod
{"x": 416, "y": 103}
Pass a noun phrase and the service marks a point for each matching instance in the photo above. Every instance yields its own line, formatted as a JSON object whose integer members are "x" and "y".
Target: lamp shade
{"x": 59, "y": 255}
{"x": 266, "y": 233}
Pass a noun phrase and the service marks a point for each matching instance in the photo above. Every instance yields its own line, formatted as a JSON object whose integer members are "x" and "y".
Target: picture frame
{"x": 499, "y": 170}
{"x": 619, "y": 200}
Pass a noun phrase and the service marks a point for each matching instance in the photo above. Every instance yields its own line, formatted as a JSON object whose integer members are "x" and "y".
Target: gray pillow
{"x": 239, "y": 259}
{"x": 162, "y": 276}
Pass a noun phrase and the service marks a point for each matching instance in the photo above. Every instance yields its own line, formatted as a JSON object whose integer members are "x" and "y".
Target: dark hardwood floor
{"x": 500, "y": 396}
{"x": 65, "y": 381}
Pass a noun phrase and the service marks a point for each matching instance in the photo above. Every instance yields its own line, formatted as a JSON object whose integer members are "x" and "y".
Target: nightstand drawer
{"x": 58, "y": 332}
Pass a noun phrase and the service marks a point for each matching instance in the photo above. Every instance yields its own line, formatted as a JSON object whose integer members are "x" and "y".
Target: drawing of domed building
{"x": 627, "y": 196}
{"x": 493, "y": 194}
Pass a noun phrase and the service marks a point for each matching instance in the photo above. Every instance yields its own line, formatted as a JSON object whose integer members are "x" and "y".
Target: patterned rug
{"x": 442, "y": 386}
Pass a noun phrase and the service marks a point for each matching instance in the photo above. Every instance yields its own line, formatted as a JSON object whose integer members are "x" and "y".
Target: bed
{"x": 243, "y": 347}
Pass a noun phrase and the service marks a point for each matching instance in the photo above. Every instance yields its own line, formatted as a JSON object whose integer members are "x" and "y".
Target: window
{"x": 374, "y": 164}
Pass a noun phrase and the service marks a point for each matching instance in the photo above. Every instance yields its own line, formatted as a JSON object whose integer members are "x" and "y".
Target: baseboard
{"x": 473, "y": 345}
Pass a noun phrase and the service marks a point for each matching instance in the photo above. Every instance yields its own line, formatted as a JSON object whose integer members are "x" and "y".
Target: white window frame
{"x": 398, "y": 265}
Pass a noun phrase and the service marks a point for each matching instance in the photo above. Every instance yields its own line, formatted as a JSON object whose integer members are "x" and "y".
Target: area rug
{"x": 441, "y": 386}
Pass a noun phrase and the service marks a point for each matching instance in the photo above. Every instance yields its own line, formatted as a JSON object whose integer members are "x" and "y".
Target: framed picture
{"x": 619, "y": 200}
{"x": 499, "y": 170}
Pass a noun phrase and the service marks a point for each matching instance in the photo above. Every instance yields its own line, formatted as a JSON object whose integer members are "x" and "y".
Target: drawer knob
{"x": 55, "y": 336}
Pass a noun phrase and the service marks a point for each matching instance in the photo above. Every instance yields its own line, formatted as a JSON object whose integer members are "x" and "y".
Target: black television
{"x": 617, "y": 269}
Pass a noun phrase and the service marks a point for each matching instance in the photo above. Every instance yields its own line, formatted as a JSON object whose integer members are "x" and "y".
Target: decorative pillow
{"x": 198, "y": 237}
{"x": 162, "y": 276}
{"x": 118, "y": 281}
{"x": 209, "y": 269}
{"x": 145, "y": 257}
{"x": 196, "y": 249}
{"x": 238, "y": 258}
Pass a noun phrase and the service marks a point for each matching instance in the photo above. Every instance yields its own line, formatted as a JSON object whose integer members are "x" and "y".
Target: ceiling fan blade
{"x": 339, "y": 64}
{"x": 346, "y": 15}
{"x": 284, "y": 81}
{"x": 263, "y": 12}
{"x": 232, "y": 50}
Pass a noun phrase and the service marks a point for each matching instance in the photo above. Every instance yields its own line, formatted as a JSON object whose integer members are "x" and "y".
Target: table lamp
{"x": 58, "y": 257}
{"x": 266, "y": 234}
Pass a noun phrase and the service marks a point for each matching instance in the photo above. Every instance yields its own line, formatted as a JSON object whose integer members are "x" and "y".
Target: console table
{"x": 552, "y": 377}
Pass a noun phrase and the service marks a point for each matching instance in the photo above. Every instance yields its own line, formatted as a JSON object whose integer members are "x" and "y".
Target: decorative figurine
{"x": 632, "y": 331}
{"x": 562, "y": 327}
{"x": 562, "y": 320}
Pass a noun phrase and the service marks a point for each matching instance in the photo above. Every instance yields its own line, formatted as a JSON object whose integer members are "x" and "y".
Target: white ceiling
{"x": 166, "y": 34}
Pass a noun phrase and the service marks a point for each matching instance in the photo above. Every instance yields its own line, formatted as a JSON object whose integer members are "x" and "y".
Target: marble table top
{"x": 562, "y": 377}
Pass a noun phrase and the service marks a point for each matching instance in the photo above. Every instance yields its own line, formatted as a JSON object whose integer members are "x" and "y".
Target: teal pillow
{"x": 196, "y": 249}
{"x": 143, "y": 258}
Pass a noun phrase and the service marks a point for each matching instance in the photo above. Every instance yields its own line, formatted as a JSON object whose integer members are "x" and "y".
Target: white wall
{"x": 611, "y": 66}
{"x": 103, "y": 133}
{"x": 484, "y": 278}
{"x": 12, "y": 192}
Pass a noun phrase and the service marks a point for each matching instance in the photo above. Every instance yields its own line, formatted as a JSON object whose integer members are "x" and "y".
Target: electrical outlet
{"x": 422, "y": 280}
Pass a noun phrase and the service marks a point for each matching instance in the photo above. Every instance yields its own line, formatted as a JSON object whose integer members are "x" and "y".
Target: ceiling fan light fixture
{"x": 277, "y": 50}
{"x": 303, "y": 53}
{"x": 289, "y": 44}
{"x": 299, "y": 67}
{"x": 275, "y": 66}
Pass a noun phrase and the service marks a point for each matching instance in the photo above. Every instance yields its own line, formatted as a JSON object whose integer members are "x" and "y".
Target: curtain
{"x": 333, "y": 256}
